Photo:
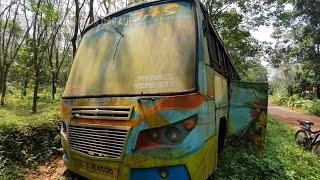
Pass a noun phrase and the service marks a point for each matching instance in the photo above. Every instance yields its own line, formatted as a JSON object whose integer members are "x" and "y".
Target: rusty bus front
{"x": 141, "y": 101}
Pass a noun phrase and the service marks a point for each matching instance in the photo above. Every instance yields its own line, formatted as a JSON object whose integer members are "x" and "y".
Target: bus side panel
{"x": 221, "y": 96}
{"x": 248, "y": 113}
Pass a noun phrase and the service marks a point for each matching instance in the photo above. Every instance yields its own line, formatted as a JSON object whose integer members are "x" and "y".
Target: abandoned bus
{"x": 152, "y": 94}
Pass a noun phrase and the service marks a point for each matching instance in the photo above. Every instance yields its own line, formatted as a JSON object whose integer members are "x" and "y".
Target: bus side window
{"x": 224, "y": 62}
{"x": 212, "y": 51}
{"x": 212, "y": 47}
{"x": 219, "y": 57}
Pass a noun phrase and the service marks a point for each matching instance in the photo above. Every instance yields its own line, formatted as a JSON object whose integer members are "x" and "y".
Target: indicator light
{"x": 189, "y": 124}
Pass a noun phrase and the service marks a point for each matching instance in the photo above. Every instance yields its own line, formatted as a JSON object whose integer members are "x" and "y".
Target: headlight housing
{"x": 166, "y": 136}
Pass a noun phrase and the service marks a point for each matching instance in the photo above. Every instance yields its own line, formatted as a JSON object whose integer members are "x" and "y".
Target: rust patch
{"x": 180, "y": 102}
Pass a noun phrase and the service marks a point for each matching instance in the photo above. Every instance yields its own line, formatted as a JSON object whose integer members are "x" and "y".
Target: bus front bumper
{"x": 198, "y": 165}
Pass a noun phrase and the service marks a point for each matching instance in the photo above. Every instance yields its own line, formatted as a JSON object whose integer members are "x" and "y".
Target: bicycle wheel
{"x": 316, "y": 149}
{"x": 301, "y": 137}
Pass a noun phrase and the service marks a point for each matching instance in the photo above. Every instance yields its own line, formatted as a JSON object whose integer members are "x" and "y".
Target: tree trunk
{"x": 1, "y": 75}
{"x": 25, "y": 86}
{"x": 53, "y": 86}
{"x": 91, "y": 17}
{"x": 4, "y": 85}
{"x": 35, "y": 91}
{"x": 76, "y": 28}
{"x": 35, "y": 59}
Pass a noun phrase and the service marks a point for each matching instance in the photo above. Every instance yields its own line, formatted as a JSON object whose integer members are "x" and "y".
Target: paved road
{"x": 290, "y": 117}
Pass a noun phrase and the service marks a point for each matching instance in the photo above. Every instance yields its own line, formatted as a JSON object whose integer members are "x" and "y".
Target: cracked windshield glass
{"x": 146, "y": 51}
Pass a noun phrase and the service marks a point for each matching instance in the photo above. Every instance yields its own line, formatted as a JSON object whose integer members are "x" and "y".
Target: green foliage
{"x": 297, "y": 32}
{"x": 233, "y": 26}
{"x": 311, "y": 106}
{"x": 25, "y": 138}
{"x": 256, "y": 72}
{"x": 295, "y": 101}
{"x": 244, "y": 49}
{"x": 281, "y": 159}
{"x": 293, "y": 79}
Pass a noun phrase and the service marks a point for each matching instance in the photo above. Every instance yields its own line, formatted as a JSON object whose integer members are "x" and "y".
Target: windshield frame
{"x": 137, "y": 7}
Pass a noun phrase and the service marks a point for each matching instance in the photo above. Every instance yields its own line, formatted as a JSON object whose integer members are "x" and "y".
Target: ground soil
{"x": 291, "y": 117}
{"x": 57, "y": 170}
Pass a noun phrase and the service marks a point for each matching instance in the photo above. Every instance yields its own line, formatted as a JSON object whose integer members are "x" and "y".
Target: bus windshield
{"x": 146, "y": 51}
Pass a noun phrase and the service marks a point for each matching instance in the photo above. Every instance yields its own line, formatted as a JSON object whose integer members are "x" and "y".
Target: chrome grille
{"x": 97, "y": 141}
{"x": 106, "y": 112}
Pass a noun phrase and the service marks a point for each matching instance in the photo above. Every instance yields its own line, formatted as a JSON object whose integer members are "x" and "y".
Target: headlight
{"x": 173, "y": 134}
{"x": 166, "y": 136}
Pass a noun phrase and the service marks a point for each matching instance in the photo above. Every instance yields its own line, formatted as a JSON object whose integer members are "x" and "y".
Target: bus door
{"x": 248, "y": 114}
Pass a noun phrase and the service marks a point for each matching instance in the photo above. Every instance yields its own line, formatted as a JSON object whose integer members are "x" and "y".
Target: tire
{"x": 213, "y": 176}
{"x": 69, "y": 175}
{"x": 316, "y": 149}
{"x": 301, "y": 137}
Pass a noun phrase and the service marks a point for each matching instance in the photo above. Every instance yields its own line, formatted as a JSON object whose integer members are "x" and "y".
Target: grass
{"x": 281, "y": 159}
{"x": 17, "y": 110}
{"x": 27, "y": 138}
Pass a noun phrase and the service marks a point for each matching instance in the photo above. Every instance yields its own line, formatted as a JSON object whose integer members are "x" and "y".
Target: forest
{"x": 39, "y": 38}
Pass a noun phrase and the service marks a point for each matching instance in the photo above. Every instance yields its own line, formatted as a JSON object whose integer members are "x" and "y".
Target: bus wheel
{"x": 222, "y": 134}
{"x": 69, "y": 175}
{"x": 213, "y": 176}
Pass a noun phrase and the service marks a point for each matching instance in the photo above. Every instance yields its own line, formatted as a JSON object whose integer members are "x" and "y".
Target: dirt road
{"x": 290, "y": 117}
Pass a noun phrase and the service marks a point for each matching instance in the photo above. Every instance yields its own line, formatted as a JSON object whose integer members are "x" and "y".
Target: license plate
{"x": 96, "y": 168}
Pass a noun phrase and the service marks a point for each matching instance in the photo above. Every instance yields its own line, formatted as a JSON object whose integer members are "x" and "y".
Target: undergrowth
{"x": 281, "y": 159}
{"x": 303, "y": 104}
{"x": 26, "y": 138}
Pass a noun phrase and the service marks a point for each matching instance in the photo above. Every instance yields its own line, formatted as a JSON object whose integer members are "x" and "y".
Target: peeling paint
{"x": 133, "y": 72}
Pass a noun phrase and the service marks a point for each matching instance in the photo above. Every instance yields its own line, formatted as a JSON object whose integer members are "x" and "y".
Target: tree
{"x": 245, "y": 51}
{"x": 74, "y": 39}
{"x": 298, "y": 41}
{"x": 42, "y": 15}
{"x": 55, "y": 26}
{"x": 11, "y": 40}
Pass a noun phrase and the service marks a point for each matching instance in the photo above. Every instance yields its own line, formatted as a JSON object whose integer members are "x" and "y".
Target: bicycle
{"x": 307, "y": 138}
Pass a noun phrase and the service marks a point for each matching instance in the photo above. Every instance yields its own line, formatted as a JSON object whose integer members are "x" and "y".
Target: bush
{"x": 275, "y": 99}
{"x": 280, "y": 100}
{"x": 26, "y": 138}
{"x": 293, "y": 101}
{"x": 27, "y": 145}
{"x": 297, "y": 102}
{"x": 312, "y": 106}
